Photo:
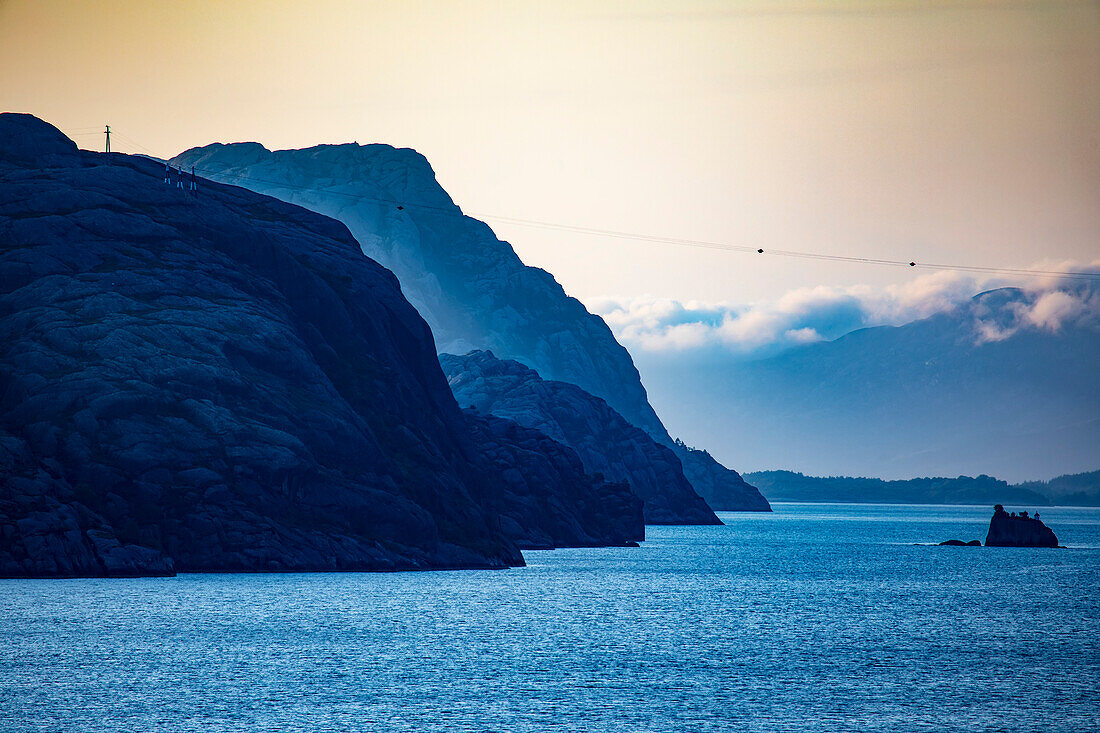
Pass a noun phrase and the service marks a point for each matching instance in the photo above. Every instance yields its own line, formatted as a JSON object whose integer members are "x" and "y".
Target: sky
{"x": 943, "y": 132}
{"x": 934, "y": 131}
{"x": 693, "y": 332}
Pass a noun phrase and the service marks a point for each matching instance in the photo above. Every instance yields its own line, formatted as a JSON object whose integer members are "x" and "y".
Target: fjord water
{"x": 814, "y": 618}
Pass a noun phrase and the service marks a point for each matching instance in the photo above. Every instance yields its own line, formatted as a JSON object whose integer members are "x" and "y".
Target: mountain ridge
{"x": 606, "y": 443}
{"x": 216, "y": 380}
{"x": 1001, "y": 384}
{"x": 470, "y": 286}
{"x": 1080, "y": 489}
{"x": 363, "y": 186}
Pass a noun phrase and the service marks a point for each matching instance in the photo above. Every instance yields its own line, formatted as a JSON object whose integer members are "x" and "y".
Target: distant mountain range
{"x": 1082, "y": 489}
{"x": 471, "y": 288}
{"x": 1006, "y": 383}
{"x": 1075, "y": 489}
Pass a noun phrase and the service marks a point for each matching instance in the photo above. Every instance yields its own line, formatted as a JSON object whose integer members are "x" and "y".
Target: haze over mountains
{"x": 222, "y": 381}
{"x": 1005, "y": 383}
{"x": 1082, "y": 489}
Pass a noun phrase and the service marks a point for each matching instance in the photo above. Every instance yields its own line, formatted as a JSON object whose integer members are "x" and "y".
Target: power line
{"x": 785, "y": 253}
{"x": 456, "y": 211}
{"x": 702, "y": 244}
{"x": 135, "y": 143}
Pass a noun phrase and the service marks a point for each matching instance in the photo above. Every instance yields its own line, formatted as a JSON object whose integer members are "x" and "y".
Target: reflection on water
{"x": 814, "y": 618}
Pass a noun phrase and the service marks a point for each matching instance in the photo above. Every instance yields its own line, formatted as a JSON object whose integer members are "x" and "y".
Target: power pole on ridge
{"x": 108, "y": 149}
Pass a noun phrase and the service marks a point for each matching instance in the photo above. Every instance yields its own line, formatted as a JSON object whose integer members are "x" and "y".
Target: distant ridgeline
{"x": 920, "y": 399}
{"x": 1081, "y": 489}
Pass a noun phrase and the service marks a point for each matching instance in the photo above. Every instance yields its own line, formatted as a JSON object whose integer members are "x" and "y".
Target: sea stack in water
{"x": 1018, "y": 530}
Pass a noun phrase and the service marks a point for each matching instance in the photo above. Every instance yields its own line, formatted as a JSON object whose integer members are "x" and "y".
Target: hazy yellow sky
{"x": 962, "y": 132}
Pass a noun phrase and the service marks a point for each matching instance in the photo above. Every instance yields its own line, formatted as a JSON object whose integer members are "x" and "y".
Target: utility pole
{"x": 108, "y": 139}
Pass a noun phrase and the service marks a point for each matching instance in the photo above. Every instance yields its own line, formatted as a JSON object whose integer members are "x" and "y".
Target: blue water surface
{"x": 814, "y": 618}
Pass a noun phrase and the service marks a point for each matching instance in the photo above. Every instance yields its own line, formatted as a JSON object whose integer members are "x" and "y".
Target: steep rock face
{"x": 46, "y": 532}
{"x": 213, "y": 382}
{"x": 1018, "y": 530}
{"x": 606, "y": 443}
{"x": 723, "y": 489}
{"x": 471, "y": 287}
{"x": 547, "y": 498}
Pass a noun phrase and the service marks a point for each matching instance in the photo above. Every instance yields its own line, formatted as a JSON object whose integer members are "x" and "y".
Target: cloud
{"x": 806, "y": 315}
{"x": 804, "y": 335}
{"x": 989, "y": 332}
{"x": 1051, "y": 310}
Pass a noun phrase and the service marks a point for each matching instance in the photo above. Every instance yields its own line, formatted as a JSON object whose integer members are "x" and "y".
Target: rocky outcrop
{"x": 606, "y": 443}
{"x": 471, "y": 287}
{"x": 1018, "y": 530}
{"x": 547, "y": 499}
{"x": 219, "y": 382}
{"x": 723, "y": 489}
{"x": 960, "y": 543}
{"x": 46, "y": 532}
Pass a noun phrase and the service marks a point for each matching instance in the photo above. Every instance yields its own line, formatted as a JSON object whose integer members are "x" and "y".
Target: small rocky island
{"x": 1012, "y": 530}
{"x": 1018, "y": 530}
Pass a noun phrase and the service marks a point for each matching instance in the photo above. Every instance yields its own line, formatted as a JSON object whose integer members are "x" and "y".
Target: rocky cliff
{"x": 471, "y": 287}
{"x": 723, "y": 489}
{"x": 547, "y": 498}
{"x": 1018, "y": 530}
{"x": 213, "y": 382}
{"x": 606, "y": 443}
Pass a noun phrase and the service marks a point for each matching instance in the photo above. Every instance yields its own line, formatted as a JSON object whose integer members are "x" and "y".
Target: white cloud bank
{"x": 823, "y": 313}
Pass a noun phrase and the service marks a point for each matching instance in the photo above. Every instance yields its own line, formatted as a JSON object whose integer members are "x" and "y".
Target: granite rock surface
{"x": 471, "y": 287}
{"x": 213, "y": 382}
{"x": 1018, "y": 530}
{"x": 547, "y": 498}
{"x": 607, "y": 444}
